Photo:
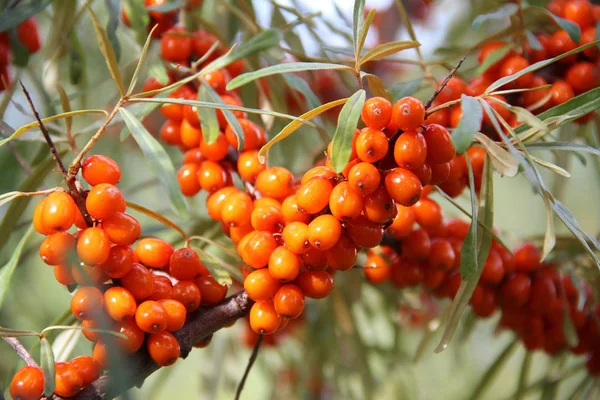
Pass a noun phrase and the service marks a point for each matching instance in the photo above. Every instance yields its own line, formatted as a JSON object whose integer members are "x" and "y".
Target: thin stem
{"x": 446, "y": 80}
{"x": 21, "y": 350}
{"x": 22, "y": 162}
{"x": 251, "y": 361}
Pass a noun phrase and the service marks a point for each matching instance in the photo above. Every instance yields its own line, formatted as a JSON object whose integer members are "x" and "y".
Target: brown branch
{"x": 201, "y": 324}
{"x": 445, "y": 82}
{"x": 21, "y": 350}
{"x": 251, "y": 361}
{"x": 75, "y": 190}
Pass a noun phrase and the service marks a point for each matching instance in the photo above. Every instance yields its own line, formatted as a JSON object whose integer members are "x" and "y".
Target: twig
{"x": 251, "y": 361}
{"x": 21, "y": 351}
{"x": 200, "y": 324}
{"x": 76, "y": 192}
{"x": 445, "y": 82}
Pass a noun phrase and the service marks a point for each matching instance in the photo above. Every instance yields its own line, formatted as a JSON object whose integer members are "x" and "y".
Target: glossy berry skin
{"x": 258, "y": 249}
{"x": 371, "y": 145}
{"x": 324, "y": 232}
{"x": 264, "y": 319}
{"x": 119, "y": 303}
{"x": 376, "y": 112}
{"x": 313, "y": 196}
{"x": 188, "y": 294}
{"x": 138, "y": 281}
{"x": 93, "y": 246}
{"x": 403, "y": 186}
{"x": 249, "y": 166}
{"x": 87, "y": 302}
{"x": 57, "y": 248}
{"x": 175, "y": 45}
{"x": 154, "y": 253}
{"x": 88, "y": 368}
{"x": 104, "y": 200}
{"x": 68, "y": 380}
{"x": 376, "y": 270}
{"x": 408, "y": 113}
{"x": 58, "y": 213}
{"x": 511, "y": 66}
{"x": 187, "y": 177}
{"x": 185, "y": 264}
{"x": 344, "y": 202}
{"x": 342, "y": 256}
{"x": 163, "y": 348}
{"x": 440, "y": 148}
{"x": 289, "y": 301}
{"x": 295, "y": 237}
{"x": 135, "y": 336}
{"x": 364, "y": 233}
{"x": 454, "y": 88}
{"x": 212, "y": 291}
{"x": 119, "y": 262}
{"x": 151, "y": 317}
{"x": 379, "y": 207}
{"x": 583, "y": 76}
{"x": 284, "y": 265}
{"x": 122, "y": 228}
{"x": 528, "y": 258}
{"x": 176, "y": 314}
{"x": 275, "y": 182}
{"x": 410, "y": 150}
{"x": 315, "y": 284}
{"x": 364, "y": 178}
{"x": 28, "y": 35}
{"x": 99, "y": 169}
{"x": 261, "y": 285}
{"x": 27, "y": 383}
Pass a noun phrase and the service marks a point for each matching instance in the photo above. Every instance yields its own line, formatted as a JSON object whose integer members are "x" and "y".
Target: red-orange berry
{"x": 63, "y": 275}
{"x": 428, "y": 213}
{"x": 315, "y": 284}
{"x": 258, "y": 249}
{"x": 284, "y": 264}
{"x": 27, "y": 384}
{"x": 163, "y": 348}
{"x": 346, "y": 203}
{"x": 188, "y": 294}
{"x": 58, "y": 213}
{"x": 104, "y": 200}
{"x": 153, "y": 252}
{"x": 57, "y": 248}
{"x": 376, "y": 112}
{"x": 408, "y": 113}
{"x": 562, "y": 92}
{"x": 176, "y": 314}
{"x": 215, "y": 151}
{"x": 371, "y": 145}
{"x": 583, "y": 76}
{"x": 442, "y": 255}
{"x": 580, "y": 12}
{"x": 185, "y": 264}
{"x": 261, "y": 285}
{"x": 289, "y": 301}
{"x": 364, "y": 233}
{"x": 313, "y": 196}
{"x": 275, "y": 182}
{"x": 511, "y": 66}
{"x": 410, "y": 150}
{"x": 376, "y": 269}
{"x": 254, "y": 136}
{"x": 417, "y": 245}
{"x": 93, "y": 246}
{"x": 528, "y": 258}
{"x": 138, "y": 281}
{"x": 99, "y": 169}
{"x": 364, "y": 178}
{"x": 187, "y": 177}
{"x": 379, "y": 206}
{"x": 212, "y": 176}
{"x": 212, "y": 291}
{"x": 67, "y": 380}
{"x": 87, "y": 302}
{"x": 403, "y": 222}
{"x": 176, "y": 45}
{"x": 440, "y": 148}
{"x": 88, "y": 368}
{"x": 454, "y": 88}
{"x": 119, "y": 262}
{"x": 249, "y": 166}
{"x": 264, "y": 320}
{"x": 324, "y": 232}
{"x": 170, "y": 132}
{"x": 403, "y": 186}
{"x": 122, "y": 228}
{"x": 151, "y": 316}
{"x": 342, "y": 256}
{"x": 119, "y": 303}
{"x": 163, "y": 288}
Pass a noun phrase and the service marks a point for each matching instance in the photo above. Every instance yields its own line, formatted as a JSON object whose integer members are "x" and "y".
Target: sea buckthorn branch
{"x": 21, "y": 350}
{"x": 201, "y": 324}
{"x": 75, "y": 190}
{"x": 445, "y": 81}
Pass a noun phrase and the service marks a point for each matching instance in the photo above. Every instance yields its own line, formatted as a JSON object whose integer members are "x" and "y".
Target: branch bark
{"x": 200, "y": 324}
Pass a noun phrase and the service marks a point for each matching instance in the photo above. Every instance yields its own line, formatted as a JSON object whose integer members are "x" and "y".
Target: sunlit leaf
{"x": 158, "y": 160}
{"x": 358, "y": 23}
{"x": 503, "y": 12}
{"x": 341, "y": 147}
{"x": 403, "y": 89}
{"x": 6, "y": 272}
{"x": 387, "y": 49}
{"x": 294, "y": 125}
{"x": 364, "y": 30}
{"x": 502, "y": 160}
{"x": 469, "y": 125}
{"x": 563, "y": 146}
{"x": 47, "y": 365}
{"x": 549, "y": 235}
{"x": 376, "y": 85}
{"x": 552, "y": 167}
{"x": 468, "y": 258}
{"x": 284, "y": 68}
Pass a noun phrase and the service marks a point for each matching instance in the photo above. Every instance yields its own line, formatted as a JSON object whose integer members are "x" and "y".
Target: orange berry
{"x": 321, "y": 171}
{"x": 67, "y": 380}
{"x": 88, "y": 368}
{"x": 139, "y": 281}
{"x": 254, "y": 136}
{"x": 428, "y": 213}
{"x": 163, "y": 288}
{"x": 185, "y": 264}
{"x": 561, "y": 43}
{"x": 379, "y": 207}
{"x": 408, "y": 113}
{"x": 376, "y": 112}
{"x": 313, "y": 196}
{"x": 170, "y": 132}
{"x": 151, "y": 316}
{"x": 258, "y": 249}
{"x": 511, "y": 66}
{"x": 104, "y": 200}
{"x": 99, "y": 169}
{"x": 342, "y": 256}
{"x": 364, "y": 233}
{"x": 403, "y": 222}
{"x": 119, "y": 262}
{"x": 215, "y": 151}
{"x": 289, "y": 301}
{"x": 38, "y": 219}
{"x": 87, "y": 302}
{"x": 267, "y": 218}
{"x": 119, "y": 303}
{"x": 561, "y": 92}
{"x": 214, "y": 202}
{"x": 193, "y": 156}
{"x": 27, "y": 383}
{"x": 454, "y": 88}
{"x": 275, "y": 182}
{"x": 163, "y": 348}
{"x": 212, "y": 176}
{"x": 284, "y": 264}
{"x": 93, "y": 246}
{"x": 187, "y": 177}
{"x": 403, "y": 186}
{"x": 86, "y": 275}
{"x": 371, "y": 145}
{"x": 292, "y": 212}
{"x": 122, "y": 228}
{"x": 442, "y": 255}
{"x": 528, "y": 258}
{"x": 58, "y": 213}
{"x": 535, "y": 96}
{"x": 212, "y": 291}
{"x": 264, "y": 320}
{"x": 324, "y": 232}
{"x": 315, "y": 284}
{"x": 439, "y": 173}
{"x": 134, "y": 336}
{"x": 345, "y": 202}
{"x": 261, "y": 285}
{"x": 295, "y": 237}
{"x": 174, "y": 45}
{"x": 249, "y": 166}
{"x": 580, "y": 12}
{"x": 236, "y": 209}
{"x": 583, "y": 76}
{"x": 153, "y": 252}
{"x": 364, "y": 178}
{"x": 57, "y": 248}
{"x": 416, "y": 245}
{"x": 188, "y": 294}
{"x": 176, "y": 314}
{"x": 100, "y": 354}
{"x": 63, "y": 275}
{"x": 440, "y": 148}
{"x": 237, "y": 233}
{"x": 376, "y": 269}
{"x": 189, "y": 134}
{"x": 410, "y": 150}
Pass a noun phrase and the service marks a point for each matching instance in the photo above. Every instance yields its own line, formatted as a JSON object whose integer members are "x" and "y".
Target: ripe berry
{"x": 342, "y": 256}
{"x": 151, "y": 316}
{"x": 57, "y": 248}
{"x": 580, "y": 12}
{"x": 236, "y": 209}
{"x": 176, "y": 45}
{"x": 261, "y": 285}
{"x": 28, "y": 35}
{"x": 188, "y": 294}
{"x": 104, "y": 200}
{"x": 212, "y": 176}
{"x": 189, "y": 134}
{"x": 371, "y": 145}
{"x": 295, "y": 237}
{"x": 561, "y": 92}
{"x": 376, "y": 269}
{"x": 122, "y": 228}
{"x": 185, "y": 264}
{"x": 345, "y": 202}
{"x": 410, "y": 150}
{"x": 543, "y": 295}
{"x": 561, "y": 43}
{"x": 214, "y": 202}
{"x": 275, "y": 182}
{"x": 134, "y": 336}
{"x": 254, "y": 136}
{"x": 440, "y": 148}
{"x": 58, "y": 213}
{"x": 176, "y": 314}
{"x": 119, "y": 262}
{"x": 376, "y": 112}
{"x": 493, "y": 270}
{"x": 364, "y": 178}
{"x": 292, "y": 212}
{"x": 88, "y": 368}
{"x": 62, "y": 274}
{"x": 119, "y": 303}
{"x": 486, "y": 51}
{"x": 324, "y": 232}
{"x": 163, "y": 288}
{"x": 153, "y": 252}
{"x": 403, "y": 186}
{"x": 583, "y": 76}
{"x": 249, "y": 166}
{"x": 187, "y": 177}
{"x": 315, "y": 284}
{"x": 212, "y": 291}
{"x": 170, "y": 133}
{"x": 428, "y": 213}
{"x": 99, "y": 169}
{"x": 511, "y": 66}
{"x": 93, "y": 246}
{"x": 408, "y": 113}
{"x": 215, "y": 151}
{"x": 100, "y": 354}
{"x": 258, "y": 249}
{"x": 403, "y": 222}
{"x": 289, "y": 301}
{"x": 163, "y": 348}
{"x": 364, "y": 233}
{"x": 267, "y": 218}
{"x": 87, "y": 302}
{"x": 264, "y": 320}
{"x": 379, "y": 207}
{"x": 528, "y": 257}
{"x": 320, "y": 171}
{"x": 454, "y": 88}
{"x": 138, "y": 281}
{"x": 67, "y": 380}
{"x": 284, "y": 264}
{"x": 417, "y": 245}
{"x": 27, "y": 384}
{"x": 313, "y": 196}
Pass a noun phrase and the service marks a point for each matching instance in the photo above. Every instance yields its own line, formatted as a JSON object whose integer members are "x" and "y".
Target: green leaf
{"x": 107, "y": 51}
{"x": 138, "y": 16}
{"x": 215, "y": 268}
{"x": 7, "y": 270}
{"x": 47, "y": 365}
{"x": 563, "y": 146}
{"x": 574, "y": 108}
{"x": 376, "y": 85}
{"x": 158, "y": 71}
{"x": 83, "y": 328}
{"x": 264, "y": 40}
{"x": 406, "y": 88}
{"x": 533, "y": 41}
{"x": 534, "y": 67}
{"x": 20, "y": 54}
{"x": 341, "y": 148}
{"x": 469, "y": 125}
{"x": 358, "y": 22}
{"x": 208, "y": 118}
{"x": 312, "y": 101}
{"x": 503, "y": 12}
{"x": 468, "y": 258}
{"x": 386, "y": 49}
{"x": 365, "y": 30}
{"x": 76, "y": 59}
{"x": 493, "y": 58}
{"x": 158, "y": 160}
{"x": 570, "y": 27}
{"x": 7, "y": 332}
{"x": 294, "y": 125}
{"x": 248, "y": 77}
{"x": 11, "y": 17}
{"x": 503, "y": 161}
{"x": 114, "y": 13}
{"x": 140, "y": 64}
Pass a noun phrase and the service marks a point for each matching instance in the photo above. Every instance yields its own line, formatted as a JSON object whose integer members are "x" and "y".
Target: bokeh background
{"x": 362, "y": 326}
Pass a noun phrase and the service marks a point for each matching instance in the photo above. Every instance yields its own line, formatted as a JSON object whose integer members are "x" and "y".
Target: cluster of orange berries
{"x": 163, "y": 20}
{"x": 27, "y": 34}
{"x": 144, "y": 293}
